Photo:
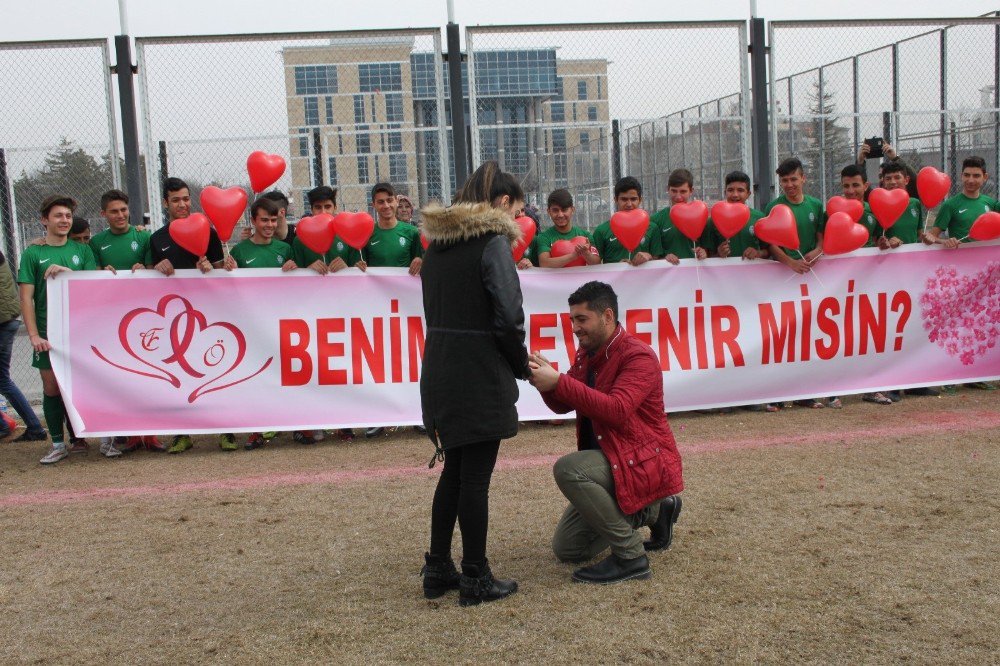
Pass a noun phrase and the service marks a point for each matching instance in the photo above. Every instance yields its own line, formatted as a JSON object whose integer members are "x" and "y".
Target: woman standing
{"x": 473, "y": 355}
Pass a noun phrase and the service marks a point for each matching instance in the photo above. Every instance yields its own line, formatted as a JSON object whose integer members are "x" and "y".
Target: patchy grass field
{"x": 864, "y": 535}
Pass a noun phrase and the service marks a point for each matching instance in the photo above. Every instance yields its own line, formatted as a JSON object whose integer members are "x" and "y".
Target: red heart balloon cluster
{"x": 264, "y": 169}
{"x": 690, "y": 218}
{"x": 354, "y": 228}
{"x": 563, "y": 247}
{"x": 224, "y": 208}
{"x": 527, "y": 226}
{"x": 932, "y": 186}
{"x": 778, "y": 228}
{"x": 888, "y": 205}
{"x": 191, "y": 233}
{"x": 629, "y": 226}
{"x": 843, "y": 235}
{"x": 316, "y": 232}
{"x": 729, "y": 218}
{"x": 838, "y": 204}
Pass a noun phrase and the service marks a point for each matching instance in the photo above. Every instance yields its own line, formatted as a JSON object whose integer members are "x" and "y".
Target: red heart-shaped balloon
{"x": 729, "y": 218}
{"x": 423, "y": 240}
{"x": 778, "y": 228}
{"x": 986, "y": 227}
{"x": 842, "y": 234}
{"x": 316, "y": 232}
{"x": 888, "y": 205}
{"x": 690, "y": 218}
{"x": 629, "y": 226}
{"x": 563, "y": 247}
{"x": 838, "y": 204}
{"x": 932, "y": 186}
{"x": 527, "y": 226}
{"x": 224, "y": 208}
{"x": 192, "y": 233}
{"x": 354, "y": 228}
{"x": 264, "y": 169}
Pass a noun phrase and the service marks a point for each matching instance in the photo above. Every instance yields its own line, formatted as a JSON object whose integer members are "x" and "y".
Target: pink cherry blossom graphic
{"x": 962, "y": 313}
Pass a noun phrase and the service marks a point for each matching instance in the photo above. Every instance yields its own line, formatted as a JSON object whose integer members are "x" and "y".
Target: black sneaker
{"x": 32, "y": 436}
{"x": 303, "y": 437}
{"x": 613, "y": 569}
{"x": 374, "y": 432}
{"x": 925, "y": 391}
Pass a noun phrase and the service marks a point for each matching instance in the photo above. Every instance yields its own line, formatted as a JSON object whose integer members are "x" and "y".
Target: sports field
{"x": 862, "y": 535}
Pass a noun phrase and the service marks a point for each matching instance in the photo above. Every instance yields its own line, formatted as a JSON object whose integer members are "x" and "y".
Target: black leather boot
{"x": 440, "y": 576}
{"x": 479, "y": 585}
{"x": 661, "y": 533}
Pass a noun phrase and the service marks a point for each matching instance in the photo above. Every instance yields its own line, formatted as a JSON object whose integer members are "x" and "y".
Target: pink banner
{"x": 258, "y": 350}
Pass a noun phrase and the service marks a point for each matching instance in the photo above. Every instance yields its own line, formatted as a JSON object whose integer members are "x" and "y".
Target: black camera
{"x": 875, "y": 147}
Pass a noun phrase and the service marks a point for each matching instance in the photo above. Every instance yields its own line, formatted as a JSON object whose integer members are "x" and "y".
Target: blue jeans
{"x": 7, "y": 386}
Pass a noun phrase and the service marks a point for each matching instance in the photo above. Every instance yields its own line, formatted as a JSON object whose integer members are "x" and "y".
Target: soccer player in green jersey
{"x": 909, "y": 227}
{"x": 744, "y": 244}
{"x": 122, "y": 246}
{"x": 560, "y": 209}
{"x": 39, "y": 263}
{"x": 628, "y": 196}
{"x": 808, "y": 212}
{"x": 675, "y": 245}
{"x": 323, "y": 199}
{"x": 393, "y": 243}
{"x": 262, "y": 250}
{"x": 957, "y": 214}
{"x": 854, "y": 185}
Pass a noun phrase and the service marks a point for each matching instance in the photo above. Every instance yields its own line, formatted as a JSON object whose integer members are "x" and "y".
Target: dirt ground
{"x": 867, "y": 534}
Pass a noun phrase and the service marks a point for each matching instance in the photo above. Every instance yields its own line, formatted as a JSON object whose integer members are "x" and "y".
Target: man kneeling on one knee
{"x": 626, "y": 472}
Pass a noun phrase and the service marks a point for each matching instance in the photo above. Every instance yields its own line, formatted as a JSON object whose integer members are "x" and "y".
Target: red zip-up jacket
{"x": 626, "y": 410}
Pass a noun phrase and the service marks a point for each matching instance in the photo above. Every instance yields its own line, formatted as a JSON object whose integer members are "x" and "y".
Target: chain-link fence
{"x": 577, "y": 106}
{"x": 346, "y": 109}
{"x": 57, "y": 131}
{"x": 57, "y": 135}
{"x": 927, "y": 87}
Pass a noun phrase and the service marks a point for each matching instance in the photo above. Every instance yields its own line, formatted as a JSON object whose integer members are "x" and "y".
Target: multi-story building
{"x": 363, "y": 111}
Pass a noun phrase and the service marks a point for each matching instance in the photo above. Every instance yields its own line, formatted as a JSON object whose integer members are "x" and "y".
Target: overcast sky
{"x": 22, "y": 19}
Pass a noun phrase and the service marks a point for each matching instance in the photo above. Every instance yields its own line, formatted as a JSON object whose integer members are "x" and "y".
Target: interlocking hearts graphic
{"x": 174, "y": 342}
{"x": 962, "y": 313}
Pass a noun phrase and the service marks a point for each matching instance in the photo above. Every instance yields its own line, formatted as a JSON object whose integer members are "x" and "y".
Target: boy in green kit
{"x": 560, "y": 209}
{"x": 957, "y": 214}
{"x": 121, "y": 246}
{"x": 323, "y": 199}
{"x": 39, "y": 263}
{"x": 628, "y": 196}
{"x": 393, "y": 244}
{"x": 854, "y": 185}
{"x": 808, "y": 212}
{"x": 744, "y": 244}
{"x": 675, "y": 245}
{"x": 910, "y": 225}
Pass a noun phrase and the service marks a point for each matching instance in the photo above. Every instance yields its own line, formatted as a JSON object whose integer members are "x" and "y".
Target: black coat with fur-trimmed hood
{"x": 474, "y": 349}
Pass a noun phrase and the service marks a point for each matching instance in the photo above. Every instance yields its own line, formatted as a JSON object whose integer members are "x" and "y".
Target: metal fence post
{"x": 7, "y": 211}
{"x": 317, "y": 158}
{"x": 895, "y": 95}
{"x": 857, "y": 103}
{"x": 458, "y": 103}
{"x": 130, "y": 125}
{"x": 761, "y": 112}
{"x": 944, "y": 100}
{"x": 616, "y": 150}
{"x": 164, "y": 173}
{"x": 822, "y": 137}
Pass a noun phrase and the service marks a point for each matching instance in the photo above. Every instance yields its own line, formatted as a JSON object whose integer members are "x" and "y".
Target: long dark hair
{"x": 488, "y": 184}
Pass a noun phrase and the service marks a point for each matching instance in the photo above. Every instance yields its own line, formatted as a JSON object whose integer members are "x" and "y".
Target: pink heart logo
{"x": 177, "y": 336}
{"x": 962, "y": 313}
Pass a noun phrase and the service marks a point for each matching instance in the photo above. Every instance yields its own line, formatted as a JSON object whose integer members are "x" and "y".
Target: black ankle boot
{"x": 477, "y": 585}
{"x": 440, "y": 576}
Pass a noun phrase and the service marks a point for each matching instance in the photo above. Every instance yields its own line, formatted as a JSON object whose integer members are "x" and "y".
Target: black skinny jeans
{"x": 463, "y": 493}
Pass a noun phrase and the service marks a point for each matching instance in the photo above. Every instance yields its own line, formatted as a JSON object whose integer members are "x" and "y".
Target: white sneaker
{"x": 55, "y": 454}
{"x": 108, "y": 449}
{"x": 318, "y": 435}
